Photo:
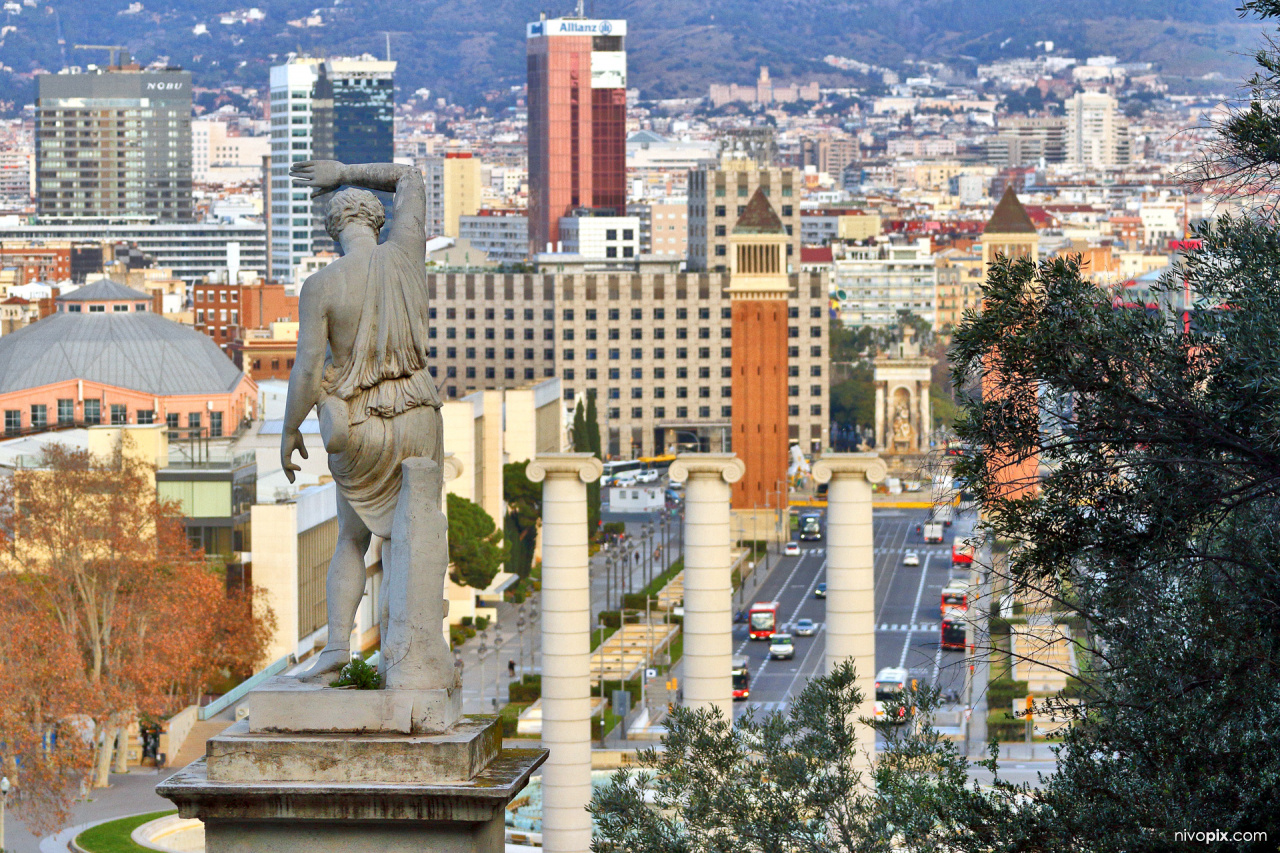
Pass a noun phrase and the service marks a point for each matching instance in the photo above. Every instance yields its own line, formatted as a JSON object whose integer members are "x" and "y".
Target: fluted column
{"x": 851, "y": 616}
{"x": 708, "y": 588}
{"x": 566, "y": 648}
{"x": 881, "y": 391}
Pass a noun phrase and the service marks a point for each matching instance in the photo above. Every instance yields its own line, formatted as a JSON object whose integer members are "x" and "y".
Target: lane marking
{"x": 906, "y": 643}
{"x": 785, "y": 584}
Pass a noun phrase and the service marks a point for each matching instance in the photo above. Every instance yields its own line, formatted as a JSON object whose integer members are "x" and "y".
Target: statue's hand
{"x": 290, "y": 442}
{"x": 321, "y": 175}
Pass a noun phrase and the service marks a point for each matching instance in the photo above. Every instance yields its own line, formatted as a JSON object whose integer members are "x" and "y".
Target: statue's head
{"x": 353, "y": 205}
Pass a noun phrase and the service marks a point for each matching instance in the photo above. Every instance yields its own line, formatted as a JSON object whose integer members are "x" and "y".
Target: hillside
{"x": 464, "y": 48}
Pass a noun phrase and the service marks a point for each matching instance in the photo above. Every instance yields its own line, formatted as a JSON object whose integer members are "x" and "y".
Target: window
{"x": 591, "y": 355}
{"x": 568, "y": 375}
{"x": 488, "y": 313}
{"x": 591, "y": 334}
{"x": 592, "y": 374}
{"x": 528, "y": 334}
{"x": 528, "y": 354}
{"x": 39, "y": 415}
{"x": 815, "y": 312}
{"x": 660, "y": 392}
{"x": 637, "y": 413}
{"x": 488, "y": 333}
{"x": 815, "y": 409}
{"x": 568, "y": 355}
{"x": 547, "y": 334}
{"x": 726, "y": 332}
{"x": 721, "y": 231}
{"x": 509, "y": 372}
{"x": 726, "y": 352}
{"x": 815, "y": 331}
{"x": 528, "y": 373}
{"x": 93, "y": 412}
{"x": 682, "y": 373}
{"x": 12, "y": 421}
{"x": 591, "y": 315}
{"x": 548, "y": 314}
{"x": 704, "y": 334}
{"x": 659, "y": 313}
{"x": 66, "y": 411}
{"x": 507, "y": 313}
{"x": 682, "y": 412}
{"x": 637, "y": 333}
{"x": 815, "y": 370}
{"x": 659, "y": 334}
{"x": 682, "y": 352}
{"x": 615, "y": 334}
{"x": 793, "y": 390}
{"x": 793, "y": 331}
{"x": 704, "y": 352}
{"x": 637, "y": 353}
{"x": 471, "y": 372}
{"x": 637, "y": 393}
{"x": 815, "y": 390}
{"x": 659, "y": 411}
{"x": 659, "y": 353}
{"x": 615, "y": 414}
{"x": 451, "y": 352}
{"x": 215, "y": 424}
{"x": 719, "y": 210}
{"x": 637, "y": 373}
{"x": 628, "y": 234}
{"x": 528, "y": 314}
{"x": 637, "y": 313}
{"x": 508, "y": 334}
{"x": 726, "y": 313}
{"x": 171, "y": 421}
{"x": 793, "y": 411}
{"x": 659, "y": 373}
{"x": 726, "y": 411}
{"x": 489, "y": 353}
{"x": 721, "y": 251}
{"x": 549, "y": 355}
{"x": 615, "y": 354}
{"x": 193, "y": 420}
{"x": 793, "y": 370}
{"x": 726, "y": 372}
{"x": 815, "y": 352}
{"x": 682, "y": 334}
{"x": 451, "y": 333}
{"x": 704, "y": 411}
{"x": 682, "y": 313}
{"x": 509, "y": 353}
{"x": 567, "y": 334}
{"x": 793, "y": 311}
{"x": 615, "y": 374}
{"x": 568, "y": 393}
{"x": 611, "y": 233}
{"x": 704, "y": 393}
{"x": 120, "y": 415}
{"x": 611, "y": 251}
{"x": 682, "y": 392}
{"x": 793, "y": 352}
{"x": 726, "y": 390}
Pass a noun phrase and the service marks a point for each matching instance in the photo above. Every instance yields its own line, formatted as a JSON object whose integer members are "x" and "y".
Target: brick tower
{"x": 758, "y": 290}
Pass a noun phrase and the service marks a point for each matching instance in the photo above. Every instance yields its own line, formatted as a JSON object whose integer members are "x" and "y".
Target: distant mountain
{"x": 465, "y": 48}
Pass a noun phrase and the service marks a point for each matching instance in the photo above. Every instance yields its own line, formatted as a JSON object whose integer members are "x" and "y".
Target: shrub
{"x": 610, "y": 618}
{"x": 466, "y": 621}
{"x": 637, "y": 600}
{"x": 360, "y": 675}
{"x": 482, "y": 622}
{"x": 527, "y": 690}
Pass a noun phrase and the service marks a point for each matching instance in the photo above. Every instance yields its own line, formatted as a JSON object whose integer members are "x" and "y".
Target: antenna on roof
{"x": 580, "y": 13}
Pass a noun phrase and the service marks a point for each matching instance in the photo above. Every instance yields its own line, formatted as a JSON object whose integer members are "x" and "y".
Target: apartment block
{"x": 718, "y": 197}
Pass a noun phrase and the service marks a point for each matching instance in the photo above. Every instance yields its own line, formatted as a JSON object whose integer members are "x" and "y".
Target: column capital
{"x": 724, "y": 465}
{"x": 453, "y": 467}
{"x": 584, "y": 466}
{"x": 869, "y": 465}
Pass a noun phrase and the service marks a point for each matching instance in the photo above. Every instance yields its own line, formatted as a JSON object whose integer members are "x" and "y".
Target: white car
{"x": 780, "y": 646}
{"x": 791, "y": 549}
{"x": 890, "y": 681}
{"x": 804, "y": 628}
{"x": 911, "y": 558}
{"x": 649, "y": 476}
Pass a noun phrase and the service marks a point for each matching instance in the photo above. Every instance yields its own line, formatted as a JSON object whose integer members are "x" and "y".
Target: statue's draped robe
{"x": 391, "y": 402}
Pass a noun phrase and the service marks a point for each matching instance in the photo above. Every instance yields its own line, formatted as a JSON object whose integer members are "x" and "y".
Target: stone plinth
{"x": 326, "y": 793}
{"x": 285, "y": 704}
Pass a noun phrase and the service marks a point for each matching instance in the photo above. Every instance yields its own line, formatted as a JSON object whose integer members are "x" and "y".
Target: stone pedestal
{"x": 708, "y": 587}
{"x": 354, "y": 793}
{"x": 851, "y": 617}
{"x": 566, "y": 649}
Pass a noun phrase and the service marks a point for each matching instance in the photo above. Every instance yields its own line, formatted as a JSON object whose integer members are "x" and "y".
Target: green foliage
{"x": 114, "y": 835}
{"x": 853, "y": 400}
{"x": 609, "y": 618}
{"x": 475, "y": 543}
{"x": 482, "y": 622}
{"x": 1133, "y": 461}
{"x": 359, "y": 674}
{"x": 792, "y": 783}
{"x": 524, "y": 508}
{"x": 527, "y": 690}
{"x": 465, "y": 621}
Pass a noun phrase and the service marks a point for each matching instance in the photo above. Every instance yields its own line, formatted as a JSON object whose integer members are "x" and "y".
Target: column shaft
{"x": 566, "y": 632}
{"x": 708, "y": 591}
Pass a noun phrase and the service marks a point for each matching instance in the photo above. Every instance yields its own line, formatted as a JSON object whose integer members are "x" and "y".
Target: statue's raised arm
{"x": 408, "y": 211}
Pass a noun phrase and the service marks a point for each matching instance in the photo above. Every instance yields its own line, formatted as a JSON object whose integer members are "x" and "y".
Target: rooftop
{"x": 1010, "y": 217}
{"x": 759, "y": 217}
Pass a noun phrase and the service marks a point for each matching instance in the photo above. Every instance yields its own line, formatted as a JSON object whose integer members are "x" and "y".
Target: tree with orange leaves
{"x": 103, "y": 563}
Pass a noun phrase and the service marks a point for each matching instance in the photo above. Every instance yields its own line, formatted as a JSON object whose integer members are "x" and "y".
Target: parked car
{"x": 805, "y": 628}
{"x": 781, "y": 647}
{"x": 911, "y": 558}
{"x": 820, "y": 591}
{"x": 791, "y": 549}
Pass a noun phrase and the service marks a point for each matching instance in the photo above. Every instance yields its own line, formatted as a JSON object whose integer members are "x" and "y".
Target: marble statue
{"x": 361, "y": 362}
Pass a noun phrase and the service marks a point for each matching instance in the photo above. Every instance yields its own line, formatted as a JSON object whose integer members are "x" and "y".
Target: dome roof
{"x": 141, "y": 351}
{"x": 105, "y": 291}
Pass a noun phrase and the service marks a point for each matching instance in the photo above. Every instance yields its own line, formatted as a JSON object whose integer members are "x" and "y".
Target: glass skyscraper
{"x": 577, "y": 122}
{"x": 114, "y": 144}
{"x": 322, "y": 109}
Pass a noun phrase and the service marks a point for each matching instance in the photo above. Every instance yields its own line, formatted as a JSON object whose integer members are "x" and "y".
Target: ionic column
{"x": 566, "y": 648}
{"x": 851, "y": 617}
{"x": 708, "y": 588}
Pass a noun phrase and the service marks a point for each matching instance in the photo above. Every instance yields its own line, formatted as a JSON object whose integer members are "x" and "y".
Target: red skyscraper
{"x": 577, "y": 122}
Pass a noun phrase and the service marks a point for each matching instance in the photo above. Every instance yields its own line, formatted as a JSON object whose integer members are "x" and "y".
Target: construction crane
{"x": 117, "y": 54}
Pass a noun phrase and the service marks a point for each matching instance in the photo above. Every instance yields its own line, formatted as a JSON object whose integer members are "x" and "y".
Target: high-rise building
{"x": 577, "y": 122}
{"x": 453, "y": 191}
{"x": 114, "y": 144}
{"x": 322, "y": 109}
{"x": 1097, "y": 134}
{"x": 718, "y": 197}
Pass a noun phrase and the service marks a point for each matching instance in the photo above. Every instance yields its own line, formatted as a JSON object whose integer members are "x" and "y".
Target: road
{"x": 907, "y": 616}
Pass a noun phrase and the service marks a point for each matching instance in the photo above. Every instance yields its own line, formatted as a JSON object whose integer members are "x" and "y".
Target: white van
{"x": 648, "y": 476}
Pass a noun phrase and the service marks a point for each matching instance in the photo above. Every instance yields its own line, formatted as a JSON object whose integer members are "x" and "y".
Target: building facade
{"x": 503, "y": 235}
{"x": 719, "y": 196}
{"x": 873, "y": 283}
{"x": 322, "y": 109}
{"x": 114, "y": 144}
{"x": 226, "y": 311}
{"x": 577, "y": 84}
{"x": 655, "y": 348}
{"x": 1097, "y": 132}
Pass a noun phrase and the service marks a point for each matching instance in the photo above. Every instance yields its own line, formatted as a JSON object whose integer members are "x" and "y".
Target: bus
{"x": 953, "y": 631}
{"x": 955, "y": 596}
{"x": 762, "y": 620}
{"x": 741, "y": 679}
{"x": 810, "y": 526}
{"x": 961, "y": 554}
{"x": 625, "y": 470}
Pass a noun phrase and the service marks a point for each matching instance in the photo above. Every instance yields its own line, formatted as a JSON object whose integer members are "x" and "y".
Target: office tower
{"x": 1097, "y": 134}
{"x": 322, "y": 109}
{"x": 114, "y": 144}
{"x": 718, "y": 197}
{"x": 577, "y": 122}
{"x": 453, "y": 191}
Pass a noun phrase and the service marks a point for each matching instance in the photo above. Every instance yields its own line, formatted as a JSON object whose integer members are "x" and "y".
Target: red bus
{"x": 961, "y": 554}
{"x": 955, "y": 596}
{"x": 953, "y": 631}
{"x": 741, "y": 679}
{"x": 762, "y": 620}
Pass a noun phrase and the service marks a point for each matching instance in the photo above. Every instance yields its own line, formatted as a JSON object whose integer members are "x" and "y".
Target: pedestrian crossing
{"x": 919, "y": 550}
{"x": 914, "y": 626}
{"x": 762, "y": 708}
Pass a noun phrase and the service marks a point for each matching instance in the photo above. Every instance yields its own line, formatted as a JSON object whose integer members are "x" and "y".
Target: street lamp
{"x": 520, "y": 625}
{"x": 482, "y": 652}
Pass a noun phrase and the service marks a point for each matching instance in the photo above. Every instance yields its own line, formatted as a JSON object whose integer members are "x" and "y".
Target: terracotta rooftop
{"x": 759, "y": 217}
{"x": 815, "y": 254}
{"x": 1010, "y": 216}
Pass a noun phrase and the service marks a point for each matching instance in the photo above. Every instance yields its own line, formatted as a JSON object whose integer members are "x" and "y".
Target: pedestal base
{"x": 284, "y": 704}
{"x": 252, "y": 791}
